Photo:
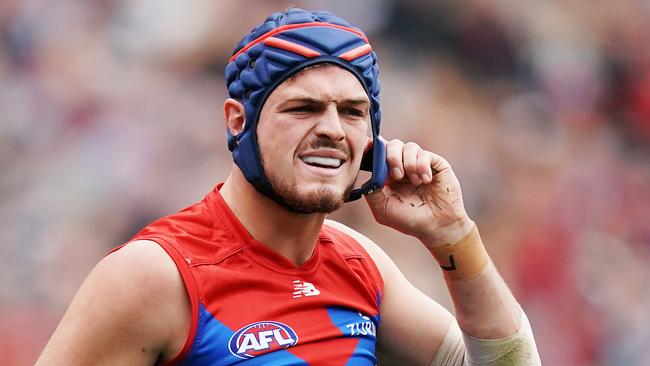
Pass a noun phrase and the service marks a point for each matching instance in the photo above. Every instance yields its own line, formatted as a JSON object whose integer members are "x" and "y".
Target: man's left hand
{"x": 422, "y": 196}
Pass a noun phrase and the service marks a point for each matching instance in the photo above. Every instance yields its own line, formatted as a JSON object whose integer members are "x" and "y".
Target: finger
{"x": 410, "y": 156}
{"x": 438, "y": 163}
{"x": 394, "y": 158}
{"x": 376, "y": 198}
{"x": 376, "y": 201}
{"x": 424, "y": 161}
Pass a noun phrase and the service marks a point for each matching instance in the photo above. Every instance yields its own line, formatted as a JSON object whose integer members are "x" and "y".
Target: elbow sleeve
{"x": 459, "y": 349}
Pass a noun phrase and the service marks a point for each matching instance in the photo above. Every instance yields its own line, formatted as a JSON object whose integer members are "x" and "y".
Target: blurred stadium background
{"x": 110, "y": 116}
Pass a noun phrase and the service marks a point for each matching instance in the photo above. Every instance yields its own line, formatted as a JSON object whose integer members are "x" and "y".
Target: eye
{"x": 354, "y": 112}
{"x": 301, "y": 108}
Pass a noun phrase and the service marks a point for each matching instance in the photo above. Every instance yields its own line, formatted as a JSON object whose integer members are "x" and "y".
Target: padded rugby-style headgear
{"x": 279, "y": 48}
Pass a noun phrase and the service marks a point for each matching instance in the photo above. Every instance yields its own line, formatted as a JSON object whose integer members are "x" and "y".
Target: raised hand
{"x": 422, "y": 197}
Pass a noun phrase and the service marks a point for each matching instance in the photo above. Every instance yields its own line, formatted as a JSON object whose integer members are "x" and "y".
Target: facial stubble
{"x": 321, "y": 200}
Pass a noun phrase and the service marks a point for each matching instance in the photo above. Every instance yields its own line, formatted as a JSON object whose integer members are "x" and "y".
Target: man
{"x": 255, "y": 273}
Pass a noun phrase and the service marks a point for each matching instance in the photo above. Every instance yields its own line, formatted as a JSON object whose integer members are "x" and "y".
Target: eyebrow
{"x": 301, "y": 99}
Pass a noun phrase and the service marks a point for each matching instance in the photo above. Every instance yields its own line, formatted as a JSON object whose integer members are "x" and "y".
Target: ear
{"x": 235, "y": 116}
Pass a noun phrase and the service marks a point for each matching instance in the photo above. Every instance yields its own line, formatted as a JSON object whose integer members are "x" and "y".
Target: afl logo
{"x": 261, "y": 337}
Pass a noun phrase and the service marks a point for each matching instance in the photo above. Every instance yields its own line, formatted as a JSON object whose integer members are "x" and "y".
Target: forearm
{"x": 484, "y": 306}
{"x": 495, "y": 329}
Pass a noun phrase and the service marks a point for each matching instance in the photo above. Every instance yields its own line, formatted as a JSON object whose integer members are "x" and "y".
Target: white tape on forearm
{"x": 460, "y": 349}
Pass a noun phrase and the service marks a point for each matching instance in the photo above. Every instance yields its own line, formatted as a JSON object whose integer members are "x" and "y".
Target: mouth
{"x": 324, "y": 158}
{"x": 322, "y": 162}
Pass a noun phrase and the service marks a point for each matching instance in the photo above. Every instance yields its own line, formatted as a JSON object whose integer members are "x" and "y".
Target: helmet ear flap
{"x": 232, "y": 141}
{"x": 366, "y": 160}
{"x": 373, "y": 161}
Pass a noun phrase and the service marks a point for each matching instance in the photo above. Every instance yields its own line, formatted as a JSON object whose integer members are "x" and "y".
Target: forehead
{"x": 325, "y": 82}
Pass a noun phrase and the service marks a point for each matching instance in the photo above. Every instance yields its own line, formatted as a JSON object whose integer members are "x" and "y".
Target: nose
{"x": 329, "y": 124}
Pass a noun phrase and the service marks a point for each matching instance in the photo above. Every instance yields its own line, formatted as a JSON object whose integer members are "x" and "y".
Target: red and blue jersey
{"x": 252, "y": 306}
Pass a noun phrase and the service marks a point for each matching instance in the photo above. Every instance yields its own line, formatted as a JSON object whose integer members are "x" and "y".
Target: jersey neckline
{"x": 262, "y": 253}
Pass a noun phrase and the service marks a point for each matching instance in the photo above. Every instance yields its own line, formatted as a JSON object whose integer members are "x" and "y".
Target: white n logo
{"x": 301, "y": 289}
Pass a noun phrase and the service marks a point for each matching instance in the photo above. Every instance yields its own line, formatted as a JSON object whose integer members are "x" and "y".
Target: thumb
{"x": 377, "y": 199}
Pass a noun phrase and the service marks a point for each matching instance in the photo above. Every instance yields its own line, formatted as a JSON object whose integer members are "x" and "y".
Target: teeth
{"x": 322, "y": 161}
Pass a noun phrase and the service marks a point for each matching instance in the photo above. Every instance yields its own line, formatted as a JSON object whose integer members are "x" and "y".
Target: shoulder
{"x": 143, "y": 264}
{"x": 403, "y": 309}
{"x": 141, "y": 258}
{"x": 141, "y": 278}
{"x": 364, "y": 241}
{"x": 381, "y": 259}
{"x": 140, "y": 287}
{"x": 132, "y": 303}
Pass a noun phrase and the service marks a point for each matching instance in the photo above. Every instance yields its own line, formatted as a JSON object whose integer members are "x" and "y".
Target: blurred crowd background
{"x": 111, "y": 116}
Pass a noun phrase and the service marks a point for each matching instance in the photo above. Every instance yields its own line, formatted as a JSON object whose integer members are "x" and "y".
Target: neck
{"x": 268, "y": 222}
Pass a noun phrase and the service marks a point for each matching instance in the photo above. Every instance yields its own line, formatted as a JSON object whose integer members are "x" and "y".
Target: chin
{"x": 317, "y": 198}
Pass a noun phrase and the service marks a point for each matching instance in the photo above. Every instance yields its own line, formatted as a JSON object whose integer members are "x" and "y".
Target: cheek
{"x": 277, "y": 144}
{"x": 358, "y": 138}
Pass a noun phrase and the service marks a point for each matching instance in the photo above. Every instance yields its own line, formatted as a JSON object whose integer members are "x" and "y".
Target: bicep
{"x": 115, "y": 318}
{"x": 412, "y": 325}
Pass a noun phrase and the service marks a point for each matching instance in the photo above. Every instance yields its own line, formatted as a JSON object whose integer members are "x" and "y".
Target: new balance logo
{"x": 301, "y": 289}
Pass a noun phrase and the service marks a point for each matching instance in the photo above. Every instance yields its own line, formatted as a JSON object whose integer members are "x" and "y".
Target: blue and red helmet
{"x": 279, "y": 48}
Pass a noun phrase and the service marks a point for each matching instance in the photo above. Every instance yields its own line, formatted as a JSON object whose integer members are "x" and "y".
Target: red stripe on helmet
{"x": 356, "y": 52}
{"x": 290, "y": 46}
{"x": 294, "y": 26}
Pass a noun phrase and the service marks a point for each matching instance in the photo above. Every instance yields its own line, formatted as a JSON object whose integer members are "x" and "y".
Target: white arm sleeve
{"x": 460, "y": 349}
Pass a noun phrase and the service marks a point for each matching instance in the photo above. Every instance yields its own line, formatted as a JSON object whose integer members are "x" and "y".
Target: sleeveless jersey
{"x": 252, "y": 306}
